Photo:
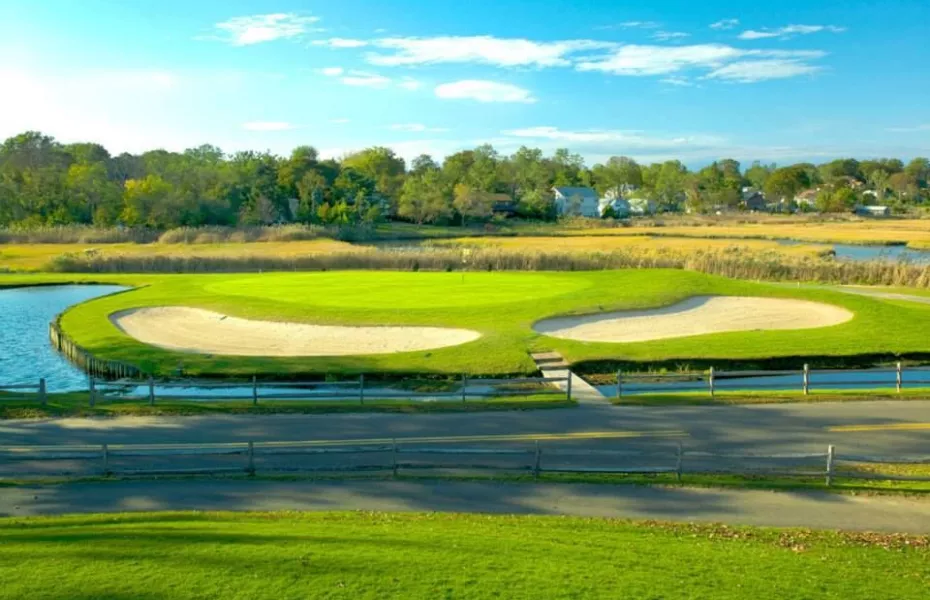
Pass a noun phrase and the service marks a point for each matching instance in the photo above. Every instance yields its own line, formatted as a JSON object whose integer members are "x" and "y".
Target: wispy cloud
{"x": 255, "y": 29}
{"x": 485, "y": 49}
{"x": 484, "y": 91}
{"x": 357, "y": 78}
{"x": 725, "y": 24}
{"x": 631, "y": 139}
{"x": 409, "y": 83}
{"x": 914, "y": 129}
{"x": 267, "y": 126}
{"x": 678, "y": 81}
{"x": 664, "y": 36}
{"x": 637, "y": 25}
{"x": 416, "y": 128}
{"x": 340, "y": 43}
{"x": 720, "y": 61}
{"x": 751, "y": 71}
{"x": 788, "y": 31}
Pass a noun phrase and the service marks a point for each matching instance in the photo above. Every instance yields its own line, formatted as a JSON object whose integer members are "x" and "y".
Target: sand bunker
{"x": 695, "y": 316}
{"x": 207, "y": 332}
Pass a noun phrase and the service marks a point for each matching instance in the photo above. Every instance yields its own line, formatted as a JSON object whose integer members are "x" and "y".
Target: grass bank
{"x": 501, "y": 306}
{"x": 77, "y": 405}
{"x": 147, "y": 556}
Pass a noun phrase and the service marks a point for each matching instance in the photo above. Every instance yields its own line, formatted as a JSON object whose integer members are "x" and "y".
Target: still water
{"x": 25, "y": 352}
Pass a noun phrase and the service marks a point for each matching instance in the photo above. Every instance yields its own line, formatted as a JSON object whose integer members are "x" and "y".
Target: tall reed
{"x": 735, "y": 262}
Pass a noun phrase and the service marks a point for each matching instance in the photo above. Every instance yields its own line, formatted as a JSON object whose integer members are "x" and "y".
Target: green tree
{"x": 472, "y": 203}
{"x": 425, "y": 198}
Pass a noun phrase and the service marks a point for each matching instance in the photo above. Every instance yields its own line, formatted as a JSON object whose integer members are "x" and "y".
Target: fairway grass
{"x": 279, "y": 556}
{"x": 501, "y": 306}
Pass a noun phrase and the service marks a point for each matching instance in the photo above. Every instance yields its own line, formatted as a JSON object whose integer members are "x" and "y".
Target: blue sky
{"x": 780, "y": 82}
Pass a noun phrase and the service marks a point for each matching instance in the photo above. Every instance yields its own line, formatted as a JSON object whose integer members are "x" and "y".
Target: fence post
{"x": 806, "y": 379}
{"x": 361, "y": 389}
{"x": 42, "y": 395}
{"x": 679, "y": 456}
{"x": 254, "y": 390}
{"x": 899, "y": 379}
{"x": 831, "y": 455}
{"x": 151, "y": 391}
{"x": 568, "y": 387}
{"x": 250, "y": 468}
{"x": 106, "y": 460}
{"x": 536, "y": 462}
{"x": 93, "y": 391}
{"x": 710, "y": 382}
{"x": 464, "y": 386}
{"x": 394, "y": 457}
{"x": 619, "y": 383}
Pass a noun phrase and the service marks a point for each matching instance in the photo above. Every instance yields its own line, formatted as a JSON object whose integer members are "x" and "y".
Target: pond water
{"x": 883, "y": 253}
{"x": 25, "y": 351}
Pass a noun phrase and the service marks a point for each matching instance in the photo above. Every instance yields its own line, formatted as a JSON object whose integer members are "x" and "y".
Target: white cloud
{"x": 357, "y": 78}
{"x": 677, "y": 81}
{"x": 365, "y": 79}
{"x": 629, "y": 139}
{"x": 788, "y": 30}
{"x": 409, "y": 83}
{"x": 723, "y": 61}
{"x": 638, "y": 25}
{"x": 267, "y": 126}
{"x": 664, "y": 36}
{"x": 340, "y": 43}
{"x": 416, "y": 128}
{"x": 751, "y": 71}
{"x": 484, "y": 91}
{"x": 659, "y": 60}
{"x": 480, "y": 49}
{"x": 255, "y": 29}
{"x": 725, "y": 24}
{"x": 915, "y": 129}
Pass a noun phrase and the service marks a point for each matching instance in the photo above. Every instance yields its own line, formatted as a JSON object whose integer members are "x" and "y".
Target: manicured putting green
{"x": 501, "y": 307}
{"x": 363, "y": 289}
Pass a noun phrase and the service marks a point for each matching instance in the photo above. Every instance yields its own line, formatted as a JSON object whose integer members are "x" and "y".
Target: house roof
{"x": 583, "y": 192}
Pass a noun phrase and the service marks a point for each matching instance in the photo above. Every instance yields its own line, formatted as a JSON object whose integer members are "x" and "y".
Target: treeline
{"x": 46, "y": 183}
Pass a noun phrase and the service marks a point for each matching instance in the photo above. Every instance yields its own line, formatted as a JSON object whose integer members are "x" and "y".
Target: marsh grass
{"x": 729, "y": 262}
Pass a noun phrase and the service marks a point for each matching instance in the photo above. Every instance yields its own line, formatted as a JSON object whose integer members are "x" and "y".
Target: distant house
{"x": 577, "y": 201}
{"x": 643, "y": 206}
{"x": 807, "y": 198}
{"x": 503, "y": 204}
{"x": 873, "y": 211}
{"x": 753, "y": 199}
{"x": 619, "y": 207}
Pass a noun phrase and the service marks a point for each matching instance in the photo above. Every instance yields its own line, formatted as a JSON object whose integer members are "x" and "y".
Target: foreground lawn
{"x": 501, "y": 306}
{"x": 371, "y": 555}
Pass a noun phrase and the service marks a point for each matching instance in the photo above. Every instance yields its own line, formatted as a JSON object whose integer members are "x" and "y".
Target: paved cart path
{"x": 735, "y": 507}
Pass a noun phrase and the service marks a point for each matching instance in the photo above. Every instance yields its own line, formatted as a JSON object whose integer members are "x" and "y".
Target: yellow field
{"x": 644, "y": 243}
{"x": 913, "y": 232}
{"x": 32, "y": 257}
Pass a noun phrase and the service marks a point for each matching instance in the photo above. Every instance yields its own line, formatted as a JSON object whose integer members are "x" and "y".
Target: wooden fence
{"x": 86, "y": 361}
{"x": 397, "y": 457}
{"x": 461, "y": 389}
{"x": 713, "y": 381}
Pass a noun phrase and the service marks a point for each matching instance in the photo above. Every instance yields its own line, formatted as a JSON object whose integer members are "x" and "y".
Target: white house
{"x": 619, "y": 206}
{"x": 643, "y": 206}
{"x": 577, "y": 201}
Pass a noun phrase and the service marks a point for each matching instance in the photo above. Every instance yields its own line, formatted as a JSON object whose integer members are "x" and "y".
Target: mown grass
{"x": 501, "y": 306}
{"x": 149, "y": 556}
{"x": 77, "y": 404}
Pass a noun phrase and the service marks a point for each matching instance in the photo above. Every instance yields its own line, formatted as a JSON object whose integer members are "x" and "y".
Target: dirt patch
{"x": 695, "y": 316}
{"x": 206, "y": 332}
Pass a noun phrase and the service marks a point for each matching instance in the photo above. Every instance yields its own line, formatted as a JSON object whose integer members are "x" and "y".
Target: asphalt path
{"x": 735, "y": 507}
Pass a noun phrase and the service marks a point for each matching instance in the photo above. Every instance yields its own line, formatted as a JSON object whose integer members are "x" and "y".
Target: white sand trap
{"x": 208, "y": 332}
{"x": 695, "y": 316}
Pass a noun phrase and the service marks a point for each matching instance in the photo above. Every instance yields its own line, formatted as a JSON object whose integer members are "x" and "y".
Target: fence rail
{"x": 398, "y": 456}
{"x": 713, "y": 381}
{"x": 357, "y": 390}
